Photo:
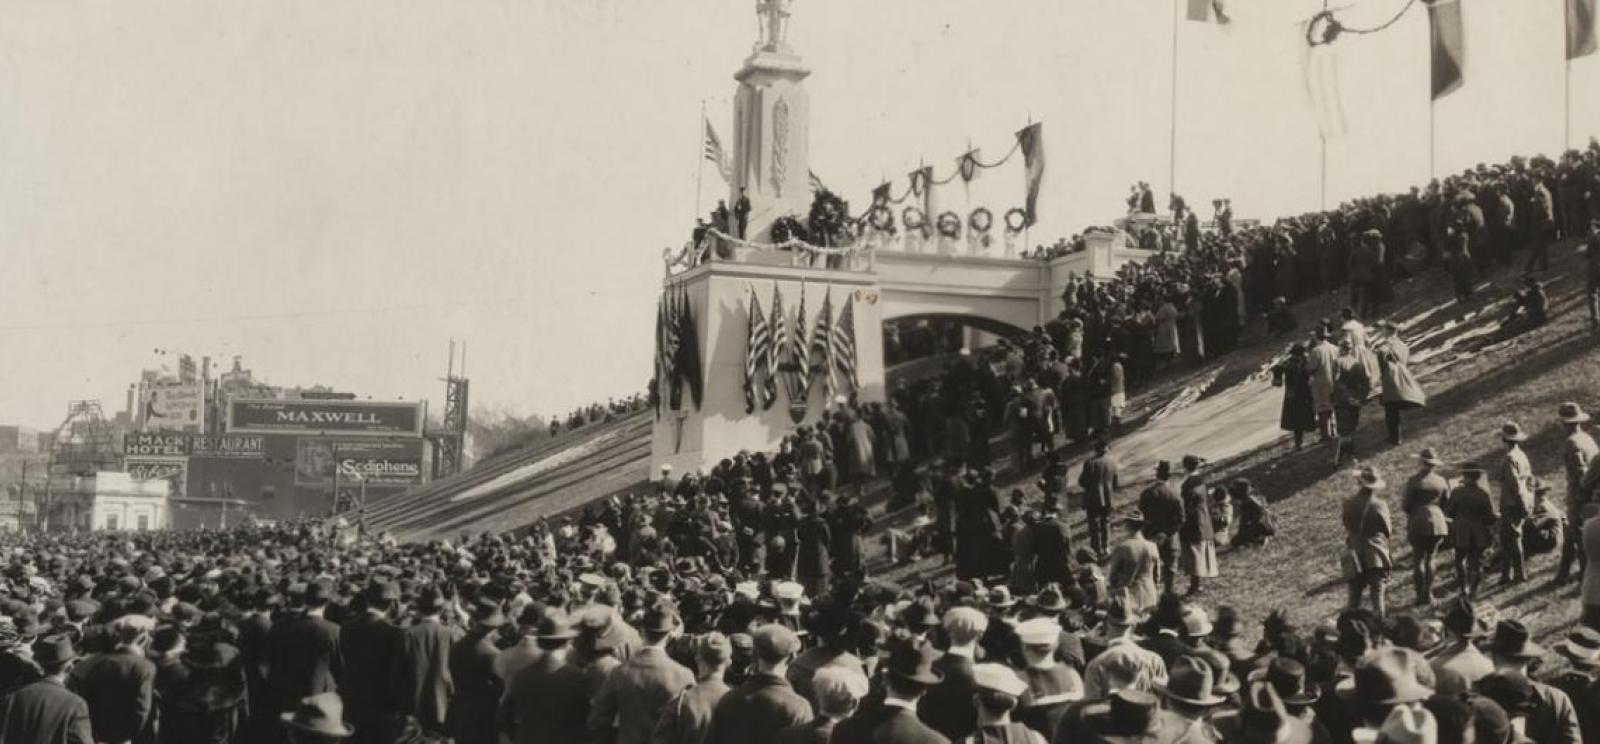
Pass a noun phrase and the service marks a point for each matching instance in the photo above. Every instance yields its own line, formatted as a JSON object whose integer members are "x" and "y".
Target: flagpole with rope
{"x": 1566, "y": 110}
{"x": 1172, "y": 138}
{"x": 700, "y": 157}
{"x": 1322, "y": 138}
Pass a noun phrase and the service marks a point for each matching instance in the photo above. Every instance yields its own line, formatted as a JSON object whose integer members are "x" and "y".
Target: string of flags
{"x": 801, "y": 351}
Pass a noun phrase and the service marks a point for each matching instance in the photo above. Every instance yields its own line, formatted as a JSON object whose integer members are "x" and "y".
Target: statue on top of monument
{"x": 774, "y": 21}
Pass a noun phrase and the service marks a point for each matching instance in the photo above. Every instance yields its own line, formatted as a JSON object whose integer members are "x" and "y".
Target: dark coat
{"x": 207, "y": 706}
{"x": 1473, "y": 513}
{"x": 947, "y": 706}
{"x": 44, "y": 713}
{"x": 477, "y": 688}
{"x": 1196, "y": 512}
{"x": 1299, "y": 413}
{"x": 371, "y": 648}
{"x": 815, "y": 731}
{"x": 1424, "y": 501}
{"x": 885, "y": 724}
{"x": 424, "y": 687}
{"x": 1367, "y": 528}
{"x": 687, "y": 718}
{"x": 757, "y": 711}
{"x": 1099, "y": 483}
{"x": 119, "y": 688}
{"x": 1162, "y": 510}
{"x": 631, "y": 696}
{"x": 303, "y": 659}
{"x": 1052, "y": 550}
{"x": 547, "y": 702}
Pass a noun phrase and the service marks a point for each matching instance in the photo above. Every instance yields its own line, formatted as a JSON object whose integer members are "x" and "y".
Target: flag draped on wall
{"x": 821, "y": 355}
{"x": 688, "y": 356}
{"x": 1031, "y": 140}
{"x": 1449, "y": 48}
{"x": 755, "y": 356}
{"x": 714, "y": 151}
{"x": 777, "y": 345}
{"x": 1580, "y": 28}
{"x": 844, "y": 344}
{"x": 1207, "y": 11}
{"x": 800, "y": 381}
{"x": 664, "y": 353}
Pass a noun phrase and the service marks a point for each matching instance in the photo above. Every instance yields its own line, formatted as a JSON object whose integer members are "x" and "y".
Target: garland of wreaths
{"x": 948, "y": 225}
{"x": 785, "y": 229}
{"x": 1016, "y": 219}
{"x": 980, "y": 221}
{"x": 914, "y": 219}
{"x": 880, "y": 218}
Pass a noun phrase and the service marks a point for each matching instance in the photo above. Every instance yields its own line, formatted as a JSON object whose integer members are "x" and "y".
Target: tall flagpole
{"x": 1172, "y": 140}
{"x": 1566, "y": 109}
{"x": 1322, "y": 137}
{"x": 1432, "y": 155}
{"x": 700, "y": 156}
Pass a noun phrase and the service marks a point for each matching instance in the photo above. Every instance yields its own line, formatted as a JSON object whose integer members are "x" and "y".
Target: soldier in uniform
{"x": 1577, "y": 456}
{"x": 1474, "y": 514}
{"x": 1514, "y": 478}
{"x": 1426, "y": 495}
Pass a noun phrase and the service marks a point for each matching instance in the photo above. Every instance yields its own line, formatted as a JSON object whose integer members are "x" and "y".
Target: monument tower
{"x": 771, "y": 136}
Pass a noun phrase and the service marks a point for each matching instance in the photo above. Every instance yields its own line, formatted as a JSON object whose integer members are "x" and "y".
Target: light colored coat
{"x": 1322, "y": 364}
{"x": 1131, "y": 573}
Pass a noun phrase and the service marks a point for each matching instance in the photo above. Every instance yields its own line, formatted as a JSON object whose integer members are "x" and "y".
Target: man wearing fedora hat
{"x": 1577, "y": 453}
{"x": 1457, "y": 663}
{"x": 629, "y": 700}
{"x": 478, "y": 688}
{"x": 1581, "y": 679}
{"x": 1190, "y": 698}
{"x": 1133, "y": 567}
{"x": 1367, "y": 526}
{"x": 1473, "y": 513}
{"x": 1515, "y": 480}
{"x": 1550, "y": 714}
{"x": 1162, "y": 510}
{"x": 1426, "y": 527}
{"x": 46, "y": 711}
{"x": 1124, "y": 662}
{"x": 317, "y": 719}
{"x": 908, "y": 675}
{"x": 423, "y": 686}
{"x": 370, "y": 643}
{"x": 764, "y": 704}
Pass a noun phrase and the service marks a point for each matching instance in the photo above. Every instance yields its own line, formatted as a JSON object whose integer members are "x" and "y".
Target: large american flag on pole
{"x": 756, "y": 352}
{"x": 777, "y": 346}
{"x": 844, "y": 344}
{"x": 714, "y": 151}
{"x": 822, "y": 344}
{"x": 801, "y": 387}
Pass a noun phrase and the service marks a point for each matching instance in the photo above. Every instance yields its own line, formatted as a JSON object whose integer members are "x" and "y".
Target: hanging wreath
{"x": 880, "y": 218}
{"x": 914, "y": 219}
{"x": 1016, "y": 219}
{"x": 980, "y": 220}
{"x": 785, "y": 229}
{"x": 949, "y": 225}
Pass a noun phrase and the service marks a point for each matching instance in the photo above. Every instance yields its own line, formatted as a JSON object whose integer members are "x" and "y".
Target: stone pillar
{"x": 771, "y": 163}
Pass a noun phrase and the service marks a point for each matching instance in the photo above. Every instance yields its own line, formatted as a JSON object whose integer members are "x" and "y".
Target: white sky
{"x": 334, "y": 189}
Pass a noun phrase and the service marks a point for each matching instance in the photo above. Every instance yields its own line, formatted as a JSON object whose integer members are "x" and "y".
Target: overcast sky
{"x": 335, "y": 189}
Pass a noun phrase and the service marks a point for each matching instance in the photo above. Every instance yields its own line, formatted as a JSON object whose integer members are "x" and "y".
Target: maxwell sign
{"x": 333, "y": 416}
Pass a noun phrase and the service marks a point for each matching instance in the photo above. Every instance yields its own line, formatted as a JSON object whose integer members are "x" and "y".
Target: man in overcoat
{"x": 1162, "y": 510}
{"x": 1427, "y": 494}
{"x": 1578, "y": 455}
{"x": 1099, "y": 482}
{"x": 1514, "y": 478}
{"x": 1474, "y": 514}
{"x": 1367, "y": 528}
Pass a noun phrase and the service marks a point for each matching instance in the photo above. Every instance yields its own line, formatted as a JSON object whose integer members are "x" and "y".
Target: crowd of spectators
{"x": 598, "y": 413}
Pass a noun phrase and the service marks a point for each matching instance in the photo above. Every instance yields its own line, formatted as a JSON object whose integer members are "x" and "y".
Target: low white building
{"x": 109, "y": 500}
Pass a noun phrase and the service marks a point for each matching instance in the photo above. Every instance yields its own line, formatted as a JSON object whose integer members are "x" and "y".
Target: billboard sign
{"x": 143, "y": 444}
{"x": 249, "y": 446}
{"x": 169, "y": 469}
{"x": 343, "y": 417}
{"x": 378, "y": 463}
{"x": 176, "y": 406}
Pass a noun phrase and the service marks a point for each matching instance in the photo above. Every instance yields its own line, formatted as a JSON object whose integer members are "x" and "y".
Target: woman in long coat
{"x": 1299, "y": 415}
{"x": 1166, "y": 331}
{"x": 1367, "y": 527}
{"x": 1199, "y": 556}
{"x": 1401, "y": 391}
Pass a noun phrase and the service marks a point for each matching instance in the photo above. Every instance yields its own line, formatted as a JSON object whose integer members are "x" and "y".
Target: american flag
{"x": 801, "y": 386}
{"x": 779, "y": 331}
{"x": 713, "y": 150}
{"x": 822, "y": 343}
{"x": 844, "y": 344}
{"x": 756, "y": 352}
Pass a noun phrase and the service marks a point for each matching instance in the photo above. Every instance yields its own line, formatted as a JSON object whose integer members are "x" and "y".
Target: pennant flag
{"x": 688, "y": 361}
{"x": 777, "y": 344}
{"x": 1031, "y": 140}
{"x": 1206, "y": 11}
{"x": 713, "y": 150}
{"x": 1580, "y": 28}
{"x": 844, "y": 344}
{"x": 880, "y": 195}
{"x": 821, "y": 355}
{"x": 1449, "y": 48}
{"x": 755, "y": 354}
{"x": 663, "y": 355}
{"x": 1320, "y": 65}
{"x": 967, "y": 165}
{"x": 816, "y": 183}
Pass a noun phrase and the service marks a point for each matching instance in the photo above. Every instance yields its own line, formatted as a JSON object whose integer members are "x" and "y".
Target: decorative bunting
{"x": 757, "y": 341}
{"x": 1031, "y": 141}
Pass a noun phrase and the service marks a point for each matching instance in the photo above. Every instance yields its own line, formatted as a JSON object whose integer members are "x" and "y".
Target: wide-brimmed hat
{"x": 321, "y": 714}
{"x": 1430, "y": 457}
{"x": 1128, "y": 713}
{"x": 921, "y": 615}
{"x": 911, "y": 660}
{"x": 555, "y": 626}
{"x": 1581, "y": 647}
{"x": 50, "y": 652}
{"x": 1000, "y": 598}
{"x": 659, "y": 620}
{"x": 1120, "y": 614}
{"x": 1196, "y": 621}
{"x": 1190, "y": 682}
{"x": 1512, "y": 432}
{"x": 1049, "y": 599}
{"x": 1513, "y": 641}
{"x": 1370, "y": 479}
{"x": 1288, "y": 680}
{"x": 1571, "y": 413}
{"x": 1262, "y": 719}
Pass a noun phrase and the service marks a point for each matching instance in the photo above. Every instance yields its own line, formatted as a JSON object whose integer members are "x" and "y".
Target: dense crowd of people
{"x": 598, "y": 413}
{"x": 738, "y": 605}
